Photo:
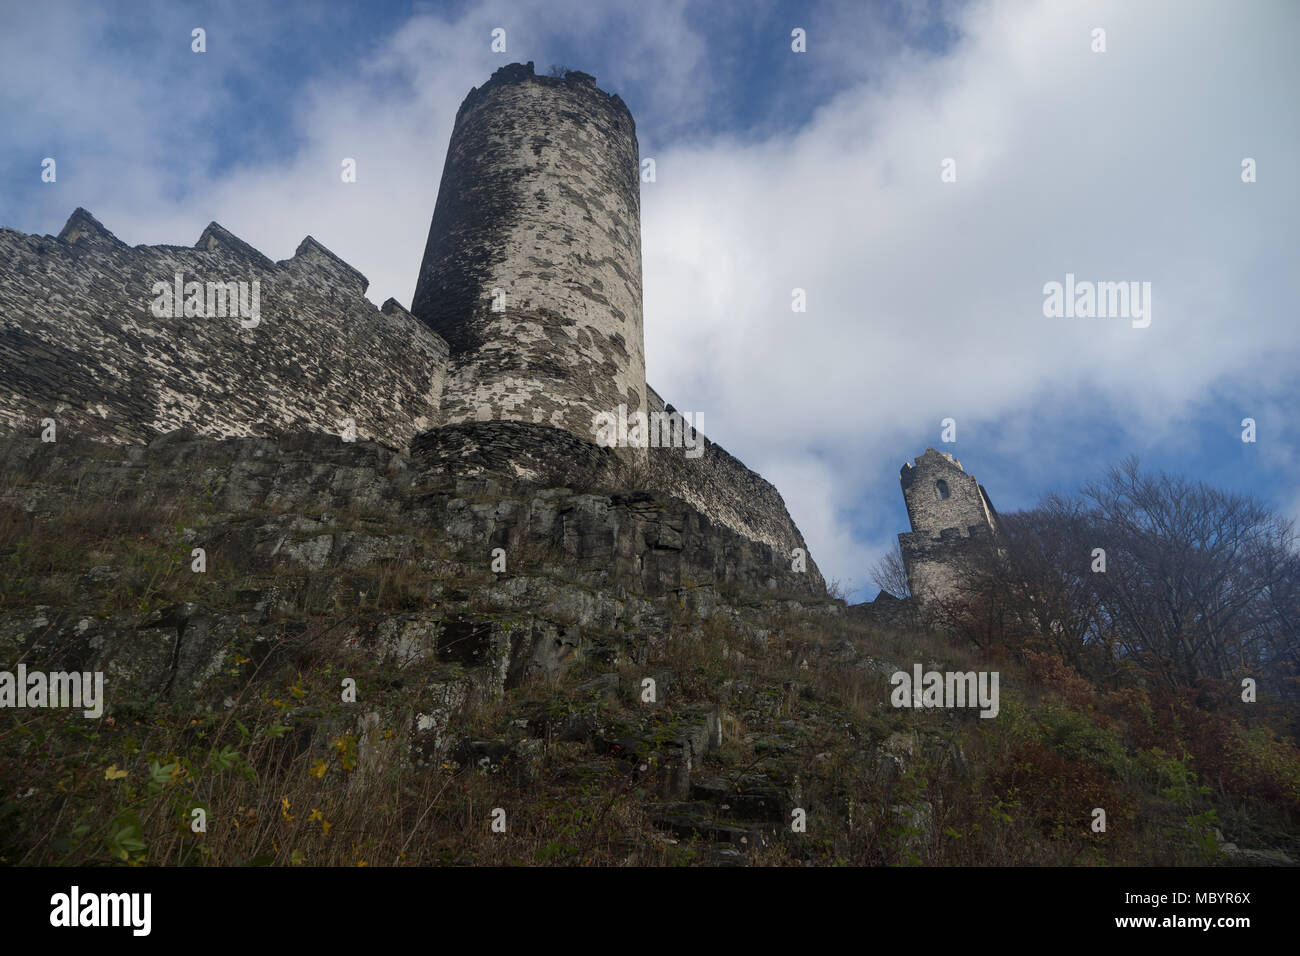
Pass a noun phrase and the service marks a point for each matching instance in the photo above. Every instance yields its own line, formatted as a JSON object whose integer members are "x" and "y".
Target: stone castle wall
{"x": 722, "y": 487}
{"x": 937, "y": 566}
{"x": 79, "y": 343}
{"x": 540, "y": 198}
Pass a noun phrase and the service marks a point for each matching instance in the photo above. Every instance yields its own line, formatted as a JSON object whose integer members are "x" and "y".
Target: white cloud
{"x": 925, "y": 298}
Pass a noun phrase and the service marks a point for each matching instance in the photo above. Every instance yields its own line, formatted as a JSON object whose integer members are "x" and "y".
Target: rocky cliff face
{"x": 439, "y": 593}
{"x": 720, "y": 491}
{"x": 297, "y": 524}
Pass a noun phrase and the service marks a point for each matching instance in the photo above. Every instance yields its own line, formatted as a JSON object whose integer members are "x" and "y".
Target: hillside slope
{"x": 349, "y": 680}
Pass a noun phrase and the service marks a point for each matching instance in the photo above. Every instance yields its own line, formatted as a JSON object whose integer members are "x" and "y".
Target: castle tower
{"x": 953, "y": 524}
{"x": 532, "y": 270}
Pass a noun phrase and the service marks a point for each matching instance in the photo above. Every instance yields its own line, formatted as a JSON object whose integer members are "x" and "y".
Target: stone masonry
{"x": 532, "y": 271}
{"x": 539, "y": 199}
{"x": 80, "y": 343}
{"x": 953, "y": 524}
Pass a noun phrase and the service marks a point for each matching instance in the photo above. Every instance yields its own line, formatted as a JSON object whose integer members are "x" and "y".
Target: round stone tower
{"x": 532, "y": 271}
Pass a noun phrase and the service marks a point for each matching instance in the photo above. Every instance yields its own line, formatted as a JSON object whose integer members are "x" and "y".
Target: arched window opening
{"x": 941, "y": 487}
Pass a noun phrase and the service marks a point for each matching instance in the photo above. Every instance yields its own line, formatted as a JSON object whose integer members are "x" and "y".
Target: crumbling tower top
{"x": 953, "y": 525}
{"x": 939, "y": 494}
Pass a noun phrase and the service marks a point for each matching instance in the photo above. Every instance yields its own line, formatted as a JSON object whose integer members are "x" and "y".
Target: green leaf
{"x": 162, "y": 775}
{"x": 124, "y": 838}
{"x": 226, "y": 758}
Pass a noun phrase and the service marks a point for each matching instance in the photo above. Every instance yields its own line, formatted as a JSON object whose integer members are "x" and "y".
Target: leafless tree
{"x": 1199, "y": 581}
{"x": 1046, "y": 578}
{"x": 1178, "y": 578}
{"x": 890, "y": 575}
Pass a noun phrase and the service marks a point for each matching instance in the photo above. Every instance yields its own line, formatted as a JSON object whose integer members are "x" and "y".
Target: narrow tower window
{"x": 941, "y": 487}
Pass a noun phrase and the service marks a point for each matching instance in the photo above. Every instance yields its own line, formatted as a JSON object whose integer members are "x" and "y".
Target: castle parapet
{"x": 116, "y": 360}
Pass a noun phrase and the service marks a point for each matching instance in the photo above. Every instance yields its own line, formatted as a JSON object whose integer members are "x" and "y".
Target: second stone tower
{"x": 532, "y": 270}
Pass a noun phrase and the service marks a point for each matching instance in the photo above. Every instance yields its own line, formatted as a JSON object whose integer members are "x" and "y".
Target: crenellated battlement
{"x": 515, "y": 73}
{"x": 95, "y": 337}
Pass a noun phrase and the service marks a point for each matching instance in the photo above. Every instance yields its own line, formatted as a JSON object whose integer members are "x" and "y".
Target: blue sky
{"x": 775, "y": 170}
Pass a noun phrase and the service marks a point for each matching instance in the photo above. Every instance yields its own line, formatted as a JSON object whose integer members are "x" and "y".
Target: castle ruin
{"x": 953, "y": 524}
{"x": 526, "y": 324}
